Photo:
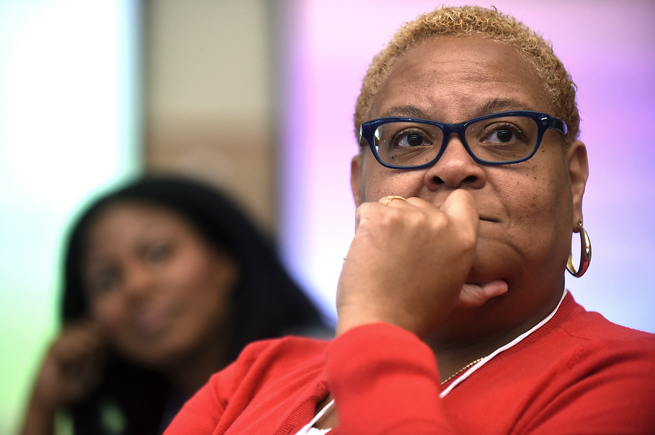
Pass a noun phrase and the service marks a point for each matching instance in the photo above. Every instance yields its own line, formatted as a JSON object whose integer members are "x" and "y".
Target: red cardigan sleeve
{"x": 385, "y": 381}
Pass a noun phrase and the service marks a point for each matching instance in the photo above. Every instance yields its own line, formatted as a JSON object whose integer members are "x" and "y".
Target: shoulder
{"x": 283, "y": 351}
{"x": 579, "y": 373}
{"x": 267, "y": 373}
{"x": 594, "y": 329}
{"x": 583, "y": 344}
{"x": 270, "y": 364}
{"x": 589, "y": 344}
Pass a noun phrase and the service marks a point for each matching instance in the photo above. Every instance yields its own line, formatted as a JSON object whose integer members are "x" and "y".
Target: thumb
{"x": 462, "y": 207}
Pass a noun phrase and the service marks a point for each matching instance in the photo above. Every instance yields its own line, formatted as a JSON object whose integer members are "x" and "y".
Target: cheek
{"x": 536, "y": 192}
{"x": 206, "y": 282}
{"x": 109, "y": 313}
{"x": 203, "y": 303}
{"x": 378, "y": 182}
{"x": 553, "y": 196}
{"x": 539, "y": 205}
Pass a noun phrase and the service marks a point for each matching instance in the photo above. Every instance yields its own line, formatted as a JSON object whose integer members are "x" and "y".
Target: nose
{"x": 139, "y": 282}
{"x": 455, "y": 168}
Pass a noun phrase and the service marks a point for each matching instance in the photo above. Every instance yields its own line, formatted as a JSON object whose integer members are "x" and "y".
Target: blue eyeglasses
{"x": 498, "y": 139}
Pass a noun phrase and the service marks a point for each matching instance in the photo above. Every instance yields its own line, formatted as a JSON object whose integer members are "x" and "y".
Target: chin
{"x": 152, "y": 354}
{"x": 493, "y": 260}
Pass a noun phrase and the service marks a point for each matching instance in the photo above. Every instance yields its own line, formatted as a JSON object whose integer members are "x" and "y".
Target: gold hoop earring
{"x": 585, "y": 254}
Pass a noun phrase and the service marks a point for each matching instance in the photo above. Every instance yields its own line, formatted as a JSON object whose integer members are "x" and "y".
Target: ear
{"x": 576, "y": 157}
{"x": 356, "y": 165}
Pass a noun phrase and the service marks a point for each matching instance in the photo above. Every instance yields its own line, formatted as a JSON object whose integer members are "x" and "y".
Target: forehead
{"x": 131, "y": 221}
{"x": 451, "y": 79}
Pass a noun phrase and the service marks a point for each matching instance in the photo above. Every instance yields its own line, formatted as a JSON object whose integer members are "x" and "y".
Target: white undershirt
{"x": 309, "y": 430}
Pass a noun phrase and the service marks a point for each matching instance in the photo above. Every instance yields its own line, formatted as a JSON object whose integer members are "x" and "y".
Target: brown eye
{"x": 504, "y": 135}
{"x": 414, "y": 140}
{"x": 409, "y": 139}
{"x": 157, "y": 254}
{"x": 104, "y": 281}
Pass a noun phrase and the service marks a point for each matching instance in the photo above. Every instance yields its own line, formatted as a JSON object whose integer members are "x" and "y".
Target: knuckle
{"x": 468, "y": 238}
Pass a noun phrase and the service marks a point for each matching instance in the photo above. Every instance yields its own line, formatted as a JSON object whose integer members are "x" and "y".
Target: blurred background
{"x": 257, "y": 97}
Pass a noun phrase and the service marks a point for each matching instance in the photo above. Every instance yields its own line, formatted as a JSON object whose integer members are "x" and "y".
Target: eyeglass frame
{"x": 543, "y": 121}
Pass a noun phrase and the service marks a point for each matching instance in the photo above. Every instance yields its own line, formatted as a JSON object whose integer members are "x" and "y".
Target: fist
{"x": 408, "y": 263}
{"x": 72, "y": 367}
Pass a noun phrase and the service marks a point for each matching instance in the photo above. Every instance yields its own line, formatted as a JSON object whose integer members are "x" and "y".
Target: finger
{"x": 461, "y": 206}
{"x": 80, "y": 345}
{"x": 92, "y": 334}
{"x": 476, "y": 295}
{"x": 391, "y": 199}
{"x": 371, "y": 210}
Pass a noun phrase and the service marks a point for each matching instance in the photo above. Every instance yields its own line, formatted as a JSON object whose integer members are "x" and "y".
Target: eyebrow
{"x": 409, "y": 111}
{"x": 492, "y": 106}
{"x": 503, "y": 104}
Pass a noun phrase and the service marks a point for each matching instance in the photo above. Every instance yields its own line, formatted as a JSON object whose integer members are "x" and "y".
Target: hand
{"x": 408, "y": 263}
{"x": 72, "y": 367}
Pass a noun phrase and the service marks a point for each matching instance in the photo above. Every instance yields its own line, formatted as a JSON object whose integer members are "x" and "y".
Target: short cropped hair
{"x": 484, "y": 23}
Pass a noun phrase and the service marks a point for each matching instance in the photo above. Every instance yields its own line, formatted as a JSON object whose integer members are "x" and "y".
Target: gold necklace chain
{"x": 463, "y": 369}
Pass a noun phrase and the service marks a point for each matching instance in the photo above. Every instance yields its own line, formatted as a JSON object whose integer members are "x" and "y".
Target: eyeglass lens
{"x": 492, "y": 140}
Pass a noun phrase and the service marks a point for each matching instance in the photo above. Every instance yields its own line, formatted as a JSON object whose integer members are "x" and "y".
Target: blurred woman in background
{"x": 165, "y": 282}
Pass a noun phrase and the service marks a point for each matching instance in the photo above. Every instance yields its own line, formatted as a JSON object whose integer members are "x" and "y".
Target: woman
{"x": 165, "y": 281}
{"x": 452, "y": 312}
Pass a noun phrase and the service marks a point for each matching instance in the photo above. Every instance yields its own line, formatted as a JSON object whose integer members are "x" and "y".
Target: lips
{"x": 150, "y": 322}
{"x": 489, "y": 219}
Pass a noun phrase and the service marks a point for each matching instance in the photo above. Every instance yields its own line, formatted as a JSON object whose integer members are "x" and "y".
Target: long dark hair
{"x": 266, "y": 301}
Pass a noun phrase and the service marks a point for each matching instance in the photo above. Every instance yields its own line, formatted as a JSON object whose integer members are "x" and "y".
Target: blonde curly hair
{"x": 485, "y": 23}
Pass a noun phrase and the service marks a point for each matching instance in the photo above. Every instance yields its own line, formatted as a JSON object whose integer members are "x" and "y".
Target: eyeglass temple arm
{"x": 558, "y": 124}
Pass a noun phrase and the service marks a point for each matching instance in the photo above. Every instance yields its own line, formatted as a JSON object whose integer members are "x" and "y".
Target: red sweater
{"x": 577, "y": 374}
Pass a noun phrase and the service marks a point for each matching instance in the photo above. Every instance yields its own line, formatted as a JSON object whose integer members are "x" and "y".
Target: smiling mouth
{"x": 151, "y": 322}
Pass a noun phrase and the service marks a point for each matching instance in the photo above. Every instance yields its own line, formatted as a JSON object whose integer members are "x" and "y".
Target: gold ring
{"x": 392, "y": 197}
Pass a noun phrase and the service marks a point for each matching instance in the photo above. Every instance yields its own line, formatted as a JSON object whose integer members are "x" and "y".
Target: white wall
{"x": 68, "y": 126}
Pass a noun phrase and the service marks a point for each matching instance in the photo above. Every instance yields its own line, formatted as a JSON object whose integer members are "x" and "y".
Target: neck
{"x": 190, "y": 374}
{"x": 192, "y": 370}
